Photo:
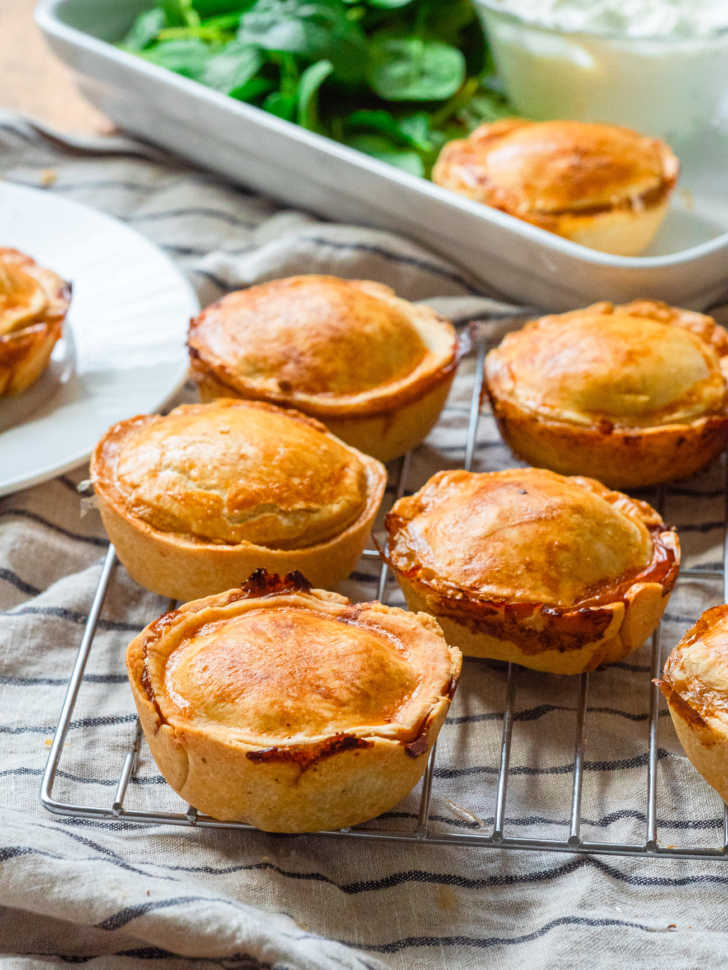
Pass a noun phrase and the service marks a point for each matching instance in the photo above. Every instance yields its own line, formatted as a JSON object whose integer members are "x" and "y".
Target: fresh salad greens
{"x": 394, "y": 78}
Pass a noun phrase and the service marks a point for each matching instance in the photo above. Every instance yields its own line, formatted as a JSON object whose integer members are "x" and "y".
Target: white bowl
{"x": 673, "y": 87}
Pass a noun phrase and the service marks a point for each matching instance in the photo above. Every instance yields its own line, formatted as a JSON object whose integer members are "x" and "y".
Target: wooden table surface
{"x": 33, "y": 81}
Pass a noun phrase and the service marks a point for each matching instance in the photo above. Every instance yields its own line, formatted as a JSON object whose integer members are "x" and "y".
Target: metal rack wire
{"x": 421, "y": 831}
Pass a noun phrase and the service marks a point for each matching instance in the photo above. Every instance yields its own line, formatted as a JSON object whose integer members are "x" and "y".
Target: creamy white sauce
{"x": 630, "y": 18}
{"x": 659, "y": 66}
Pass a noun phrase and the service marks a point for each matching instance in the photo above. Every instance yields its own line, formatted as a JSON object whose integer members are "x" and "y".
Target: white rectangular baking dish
{"x": 688, "y": 264}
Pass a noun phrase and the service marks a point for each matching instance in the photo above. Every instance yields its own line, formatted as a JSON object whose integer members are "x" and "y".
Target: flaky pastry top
{"x": 537, "y": 170}
{"x": 695, "y": 677}
{"x": 234, "y": 471}
{"x": 277, "y": 664}
{"x": 631, "y": 366}
{"x": 29, "y": 293}
{"x": 522, "y": 535}
{"x": 322, "y": 343}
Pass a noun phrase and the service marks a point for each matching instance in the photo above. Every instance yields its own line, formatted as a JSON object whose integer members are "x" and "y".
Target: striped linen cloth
{"x": 110, "y": 894}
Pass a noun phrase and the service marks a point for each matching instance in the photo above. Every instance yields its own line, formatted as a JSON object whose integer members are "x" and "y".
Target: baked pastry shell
{"x": 327, "y": 783}
{"x": 384, "y": 422}
{"x": 25, "y": 352}
{"x": 184, "y": 567}
{"x": 620, "y": 457}
{"x": 625, "y": 229}
{"x": 555, "y": 639}
{"x": 385, "y": 435}
{"x": 703, "y": 736}
{"x": 620, "y": 232}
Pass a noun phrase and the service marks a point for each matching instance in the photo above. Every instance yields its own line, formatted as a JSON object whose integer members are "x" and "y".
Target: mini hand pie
{"x": 632, "y": 395}
{"x": 695, "y": 683}
{"x": 375, "y": 369}
{"x": 603, "y": 186}
{"x": 553, "y": 573}
{"x": 206, "y": 494}
{"x": 291, "y": 708}
{"x": 33, "y": 305}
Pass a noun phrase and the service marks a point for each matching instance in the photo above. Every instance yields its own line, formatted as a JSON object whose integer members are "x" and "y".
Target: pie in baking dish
{"x": 291, "y": 708}
{"x": 374, "y": 368}
{"x": 695, "y": 683}
{"x": 198, "y": 499}
{"x": 34, "y": 302}
{"x": 600, "y": 185}
{"x": 632, "y": 395}
{"x": 558, "y": 574}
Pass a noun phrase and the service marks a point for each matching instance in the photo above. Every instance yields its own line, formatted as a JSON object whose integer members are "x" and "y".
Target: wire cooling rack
{"x": 421, "y": 829}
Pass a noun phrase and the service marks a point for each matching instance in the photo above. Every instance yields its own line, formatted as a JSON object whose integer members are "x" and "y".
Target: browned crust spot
{"x": 304, "y": 756}
{"x": 263, "y": 583}
{"x": 419, "y": 746}
{"x": 146, "y": 683}
{"x": 563, "y": 630}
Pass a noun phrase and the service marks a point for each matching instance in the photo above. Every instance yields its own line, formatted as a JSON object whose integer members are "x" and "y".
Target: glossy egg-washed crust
{"x": 34, "y": 302}
{"x": 695, "y": 683}
{"x": 374, "y": 368}
{"x": 557, "y": 574}
{"x": 600, "y": 185}
{"x": 198, "y": 499}
{"x": 291, "y": 708}
{"x": 632, "y": 395}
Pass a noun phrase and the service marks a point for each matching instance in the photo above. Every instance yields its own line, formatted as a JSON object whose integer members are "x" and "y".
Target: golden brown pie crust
{"x": 632, "y": 395}
{"x": 558, "y": 574}
{"x": 34, "y": 302}
{"x": 291, "y": 708}
{"x": 197, "y": 499}
{"x": 695, "y": 683}
{"x": 372, "y": 367}
{"x": 603, "y": 186}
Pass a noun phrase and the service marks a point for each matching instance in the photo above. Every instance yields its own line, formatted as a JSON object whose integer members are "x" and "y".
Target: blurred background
{"x": 35, "y": 82}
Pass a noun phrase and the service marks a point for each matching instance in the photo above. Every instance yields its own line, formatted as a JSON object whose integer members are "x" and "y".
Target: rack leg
{"x": 74, "y": 683}
{"x": 505, "y": 758}
{"x": 575, "y": 821}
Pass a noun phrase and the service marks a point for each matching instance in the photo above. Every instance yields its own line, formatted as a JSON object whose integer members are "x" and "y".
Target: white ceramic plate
{"x": 123, "y": 351}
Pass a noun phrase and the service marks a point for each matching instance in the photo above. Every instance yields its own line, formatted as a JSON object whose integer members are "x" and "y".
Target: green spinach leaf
{"x": 188, "y": 57}
{"x": 313, "y": 29}
{"x": 311, "y": 80}
{"x": 389, "y": 4}
{"x": 232, "y": 68}
{"x": 411, "y": 130}
{"x": 181, "y": 13}
{"x": 414, "y": 69}
{"x": 282, "y": 105}
{"x": 387, "y": 151}
{"x": 252, "y": 90}
{"x": 215, "y": 8}
{"x": 145, "y": 29}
